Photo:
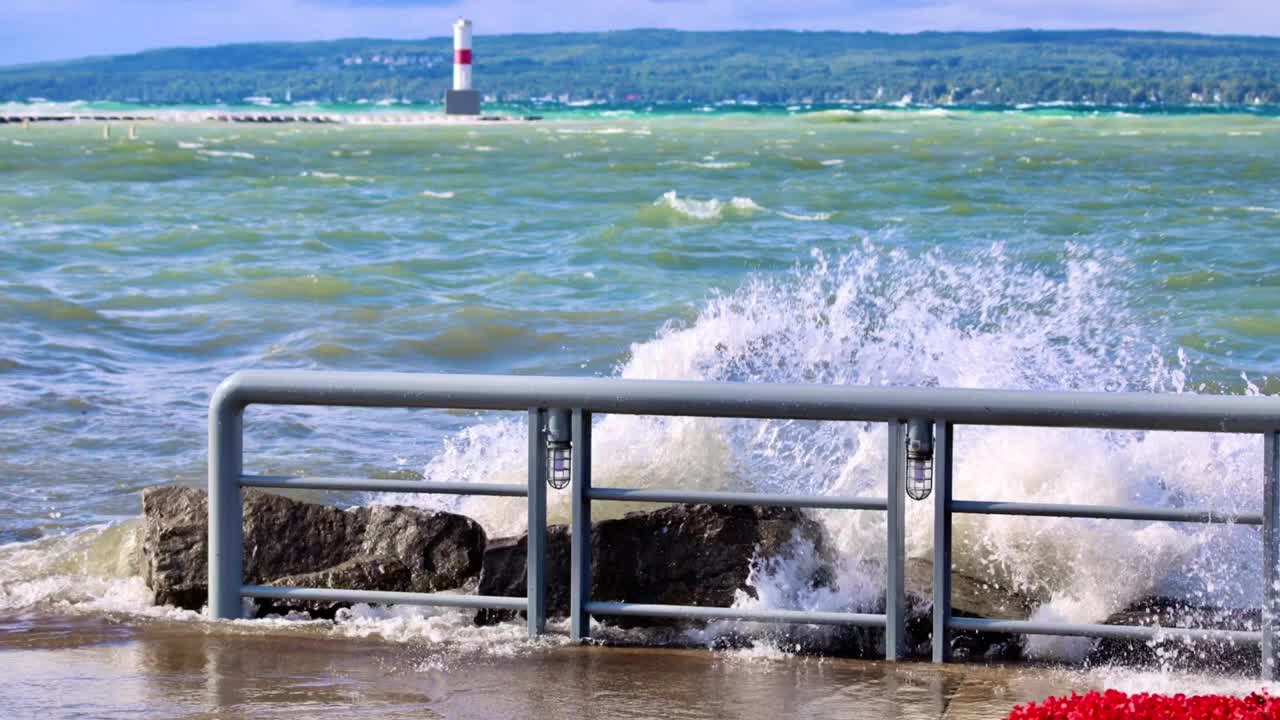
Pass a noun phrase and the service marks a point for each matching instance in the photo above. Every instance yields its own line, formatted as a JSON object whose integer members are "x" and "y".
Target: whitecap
{"x": 811, "y": 217}
{"x": 708, "y": 164}
{"x": 709, "y": 209}
{"x": 227, "y": 153}
{"x": 722, "y": 165}
{"x": 322, "y": 175}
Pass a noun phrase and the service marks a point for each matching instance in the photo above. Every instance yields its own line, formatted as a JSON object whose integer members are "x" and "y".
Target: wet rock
{"x": 287, "y": 537}
{"x": 175, "y": 546}
{"x": 680, "y": 555}
{"x": 971, "y": 597}
{"x": 442, "y": 551}
{"x": 1177, "y": 654}
{"x": 366, "y": 548}
{"x": 366, "y": 572}
{"x": 504, "y": 568}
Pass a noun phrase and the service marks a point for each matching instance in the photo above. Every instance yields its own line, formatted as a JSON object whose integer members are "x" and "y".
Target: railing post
{"x": 943, "y": 463}
{"x": 226, "y": 511}
{"x": 580, "y": 547}
{"x": 1271, "y": 556}
{"x": 536, "y": 573}
{"x": 895, "y": 635}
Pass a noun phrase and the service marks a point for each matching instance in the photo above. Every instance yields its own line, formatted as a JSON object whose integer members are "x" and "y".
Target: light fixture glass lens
{"x": 561, "y": 465}
{"x": 919, "y": 478}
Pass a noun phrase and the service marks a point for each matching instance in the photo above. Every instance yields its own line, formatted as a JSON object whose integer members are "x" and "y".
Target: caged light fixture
{"x": 919, "y": 459}
{"x": 559, "y": 449}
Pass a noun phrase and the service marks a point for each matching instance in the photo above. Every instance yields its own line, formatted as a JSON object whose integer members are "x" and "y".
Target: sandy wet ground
{"x": 96, "y": 668}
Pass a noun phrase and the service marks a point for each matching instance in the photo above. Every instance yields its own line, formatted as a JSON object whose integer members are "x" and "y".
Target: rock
{"x": 381, "y": 573}
{"x": 680, "y": 555}
{"x": 442, "y": 551}
{"x": 317, "y": 545}
{"x": 702, "y": 554}
{"x": 1176, "y": 654}
{"x": 175, "y": 546}
{"x": 287, "y": 537}
{"x": 972, "y": 596}
{"x": 359, "y": 572}
{"x": 503, "y": 572}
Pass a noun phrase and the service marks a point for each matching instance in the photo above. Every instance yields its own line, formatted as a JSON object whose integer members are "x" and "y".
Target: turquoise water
{"x": 134, "y": 275}
{"x": 1045, "y": 249}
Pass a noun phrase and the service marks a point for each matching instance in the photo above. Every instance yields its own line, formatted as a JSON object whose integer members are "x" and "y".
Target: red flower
{"x": 1115, "y": 705}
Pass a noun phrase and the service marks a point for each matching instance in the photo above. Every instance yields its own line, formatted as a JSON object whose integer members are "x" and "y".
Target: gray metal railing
{"x": 946, "y": 408}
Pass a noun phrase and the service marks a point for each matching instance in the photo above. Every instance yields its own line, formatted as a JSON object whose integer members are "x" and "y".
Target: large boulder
{"x": 288, "y": 541}
{"x": 702, "y": 555}
{"x": 680, "y": 555}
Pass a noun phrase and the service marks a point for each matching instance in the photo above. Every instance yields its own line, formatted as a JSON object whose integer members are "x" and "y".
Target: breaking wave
{"x": 879, "y": 316}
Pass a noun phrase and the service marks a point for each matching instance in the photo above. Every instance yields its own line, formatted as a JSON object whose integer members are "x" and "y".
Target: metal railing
{"x": 945, "y": 408}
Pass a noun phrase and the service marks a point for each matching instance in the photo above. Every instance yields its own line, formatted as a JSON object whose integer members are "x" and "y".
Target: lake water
{"x": 1045, "y": 248}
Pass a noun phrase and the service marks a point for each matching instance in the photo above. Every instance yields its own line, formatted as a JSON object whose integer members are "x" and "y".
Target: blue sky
{"x": 33, "y": 30}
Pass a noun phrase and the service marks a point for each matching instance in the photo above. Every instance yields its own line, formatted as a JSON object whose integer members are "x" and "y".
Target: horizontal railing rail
{"x": 572, "y": 401}
{"x": 1122, "y": 411}
{"x": 381, "y": 485}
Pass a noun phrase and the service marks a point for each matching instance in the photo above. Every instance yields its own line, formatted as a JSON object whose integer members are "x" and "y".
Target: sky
{"x": 36, "y": 30}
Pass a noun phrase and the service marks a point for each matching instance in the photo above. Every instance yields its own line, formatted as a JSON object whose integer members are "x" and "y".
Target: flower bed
{"x": 1115, "y": 705}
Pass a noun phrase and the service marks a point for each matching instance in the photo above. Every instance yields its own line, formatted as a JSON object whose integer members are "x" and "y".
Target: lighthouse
{"x": 462, "y": 100}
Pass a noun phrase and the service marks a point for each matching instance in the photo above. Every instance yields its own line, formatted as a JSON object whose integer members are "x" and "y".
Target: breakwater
{"x": 272, "y": 117}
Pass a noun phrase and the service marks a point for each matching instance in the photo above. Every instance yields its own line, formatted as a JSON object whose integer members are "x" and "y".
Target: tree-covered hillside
{"x": 1105, "y": 67}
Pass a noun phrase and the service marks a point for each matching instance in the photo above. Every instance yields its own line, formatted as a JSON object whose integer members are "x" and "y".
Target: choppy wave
{"x": 362, "y": 284}
{"x": 323, "y": 175}
{"x": 240, "y": 154}
{"x": 90, "y": 570}
{"x": 714, "y": 209}
{"x": 706, "y": 209}
{"x": 875, "y": 114}
{"x": 710, "y": 164}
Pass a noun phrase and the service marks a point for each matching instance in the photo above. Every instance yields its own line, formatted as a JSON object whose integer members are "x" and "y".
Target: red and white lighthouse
{"x": 462, "y": 54}
{"x": 462, "y": 99}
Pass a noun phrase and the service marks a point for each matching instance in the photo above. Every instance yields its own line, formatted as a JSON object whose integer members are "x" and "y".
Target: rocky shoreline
{"x": 680, "y": 554}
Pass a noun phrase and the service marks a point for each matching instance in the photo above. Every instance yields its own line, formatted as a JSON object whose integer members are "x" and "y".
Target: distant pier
{"x": 186, "y": 117}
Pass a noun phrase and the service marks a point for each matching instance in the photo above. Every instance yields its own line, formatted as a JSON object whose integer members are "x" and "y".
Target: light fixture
{"x": 559, "y": 449}
{"x": 919, "y": 459}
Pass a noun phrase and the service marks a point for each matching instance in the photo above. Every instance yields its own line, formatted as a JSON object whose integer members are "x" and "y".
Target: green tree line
{"x": 1022, "y": 66}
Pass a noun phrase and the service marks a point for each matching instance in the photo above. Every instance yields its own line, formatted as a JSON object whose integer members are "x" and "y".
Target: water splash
{"x": 885, "y": 317}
